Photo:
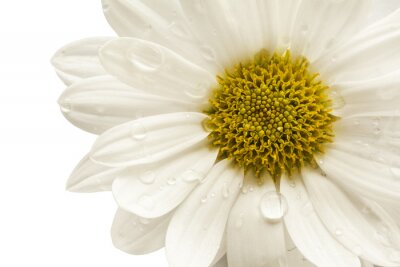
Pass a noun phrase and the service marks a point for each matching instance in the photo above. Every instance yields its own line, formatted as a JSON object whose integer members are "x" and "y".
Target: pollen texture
{"x": 270, "y": 114}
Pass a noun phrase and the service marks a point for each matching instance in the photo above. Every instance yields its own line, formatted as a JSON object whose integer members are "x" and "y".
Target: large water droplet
{"x": 138, "y": 131}
{"x": 273, "y": 206}
{"x": 204, "y": 199}
{"x": 147, "y": 177}
{"x": 146, "y": 202}
{"x": 146, "y": 58}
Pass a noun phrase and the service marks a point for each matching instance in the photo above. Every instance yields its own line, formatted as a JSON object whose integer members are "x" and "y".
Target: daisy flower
{"x": 243, "y": 133}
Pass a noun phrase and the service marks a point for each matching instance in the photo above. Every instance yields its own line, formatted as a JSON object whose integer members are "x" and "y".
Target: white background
{"x": 40, "y": 223}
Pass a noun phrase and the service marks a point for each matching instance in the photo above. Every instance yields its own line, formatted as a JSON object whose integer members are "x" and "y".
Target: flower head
{"x": 243, "y": 133}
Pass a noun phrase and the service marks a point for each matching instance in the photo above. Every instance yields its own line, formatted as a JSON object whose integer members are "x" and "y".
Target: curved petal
{"x": 196, "y": 231}
{"x": 307, "y": 231}
{"x": 99, "y": 103}
{"x": 91, "y": 177}
{"x": 156, "y": 69}
{"x": 223, "y": 262}
{"x": 381, "y": 130}
{"x": 162, "y": 22}
{"x": 322, "y": 24}
{"x": 345, "y": 220}
{"x": 253, "y": 241}
{"x": 372, "y": 97}
{"x": 370, "y": 54}
{"x": 148, "y": 139}
{"x": 79, "y": 60}
{"x": 153, "y": 190}
{"x": 368, "y": 178}
{"x": 136, "y": 235}
{"x": 216, "y": 23}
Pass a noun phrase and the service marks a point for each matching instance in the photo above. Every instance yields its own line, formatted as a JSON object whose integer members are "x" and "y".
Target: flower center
{"x": 270, "y": 114}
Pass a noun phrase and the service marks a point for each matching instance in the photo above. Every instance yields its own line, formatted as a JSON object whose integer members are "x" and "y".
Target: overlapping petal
{"x": 148, "y": 139}
{"x": 153, "y": 190}
{"x": 196, "y": 231}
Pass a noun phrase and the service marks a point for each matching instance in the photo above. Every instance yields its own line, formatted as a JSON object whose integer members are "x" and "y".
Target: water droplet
{"x": 208, "y": 53}
{"x": 357, "y": 250}
{"x": 197, "y": 92}
{"x": 171, "y": 181}
{"x": 145, "y": 57}
{"x": 320, "y": 162}
{"x": 225, "y": 191}
{"x": 292, "y": 183}
{"x": 251, "y": 189}
{"x": 147, "y": 177}
{"x": 138, "y": 131}
{"x": 66, "y": 107}
{"x": 204, "y": 199}
{"x": 146, "y": 202}
{"x": 273, "y": 206}
{"x": 191, "y": 176}
{"x": 338, "y": 232}
{"x": 212, "y": 195}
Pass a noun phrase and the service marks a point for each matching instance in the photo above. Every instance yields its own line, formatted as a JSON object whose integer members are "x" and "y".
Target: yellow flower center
{"x": 270, "y": 114}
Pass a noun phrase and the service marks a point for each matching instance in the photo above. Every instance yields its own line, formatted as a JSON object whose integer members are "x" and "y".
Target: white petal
{"x": 344, "y": 219}
{"x": 153, "y": 190}
{"x": 370, "y": 54}
{"x": 368, "y": 178}
{"x": 136, "y": 235}
{"x": 377, "y": 96}
{"x": 197, "y": 229}
{"x": 307, "y": 231}
{"x": 148, "y": 139}
{"x": 91, "y": 177}
{"x": 223, "y": 262}
{"x": 79, "y": 60}
{"x": 253, "y": 241}
{"x": 162, "y": 22}
{"x": 215, "y": 23}
{"x": 321, "y": 24}
{"x": 156, "y": 69}
{"x": 99, "y": 103}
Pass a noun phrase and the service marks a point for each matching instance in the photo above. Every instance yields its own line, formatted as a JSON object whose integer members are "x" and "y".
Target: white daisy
{"x": 243, "y": 133}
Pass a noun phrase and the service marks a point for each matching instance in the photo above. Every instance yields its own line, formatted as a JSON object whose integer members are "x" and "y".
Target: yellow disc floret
{"x": 270, "y": 114}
